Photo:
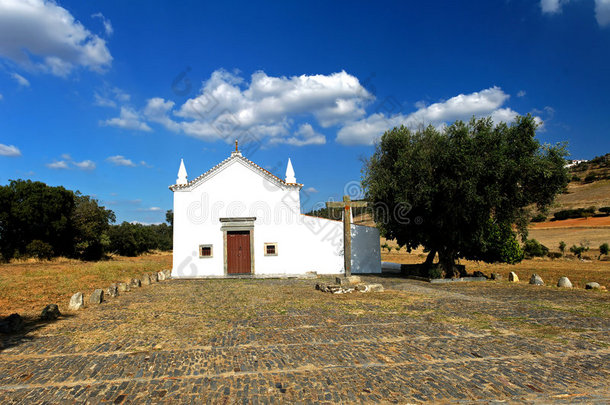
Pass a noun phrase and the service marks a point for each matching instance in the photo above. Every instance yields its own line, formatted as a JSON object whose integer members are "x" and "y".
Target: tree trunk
{"x": 447, "y": 261}
{"x": 430, "y": 259}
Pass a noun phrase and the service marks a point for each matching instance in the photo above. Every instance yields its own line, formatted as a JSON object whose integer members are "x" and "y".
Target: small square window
{"x": 270, "y": 249}
{"x": 205, "y": 251}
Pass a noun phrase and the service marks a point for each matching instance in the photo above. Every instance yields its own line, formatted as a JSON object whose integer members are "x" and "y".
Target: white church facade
{"x": 239, "y": 219}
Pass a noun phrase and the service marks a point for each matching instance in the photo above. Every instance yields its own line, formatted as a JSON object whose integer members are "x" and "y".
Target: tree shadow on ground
{"x": 30, "y": 325}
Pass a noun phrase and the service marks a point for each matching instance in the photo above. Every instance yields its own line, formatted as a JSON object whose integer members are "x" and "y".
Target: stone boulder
{"x": 97, "y": 297}
{"x": 77, "y": 301}
{"x": 168, "y": 274}
{"x": 536, "y": 280}
{"x": 123, "y": 287}
{"x": 478, "y": 274}
{"x": 145, "y": 279}
{"x": 374, "y": 288}
{"x": 513, "y": 277}
{"x": 153, "y": 277}
{"x": 113, "y": 290}
{"x": 135, "y": 282}
{"x": 351, "y": 280}
{"x": 592, "y": 286}
{"x": 564, "y": 282}
{"x": 496, "y": 276}
{"x": 50, "y": 312}
{"x": 161, "y": 276}
{"x": 11, "y": 324}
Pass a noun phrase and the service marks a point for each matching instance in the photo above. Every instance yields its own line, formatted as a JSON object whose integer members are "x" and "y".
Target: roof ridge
{"x": 224, "y": 162}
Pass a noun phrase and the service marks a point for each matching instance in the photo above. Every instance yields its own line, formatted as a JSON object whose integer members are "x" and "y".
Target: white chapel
{"x": 239, "y": 219}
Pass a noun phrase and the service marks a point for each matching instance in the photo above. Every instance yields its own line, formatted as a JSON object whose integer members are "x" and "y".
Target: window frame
{"x": 274, "y": 244}
{"x": 201, "y": 247}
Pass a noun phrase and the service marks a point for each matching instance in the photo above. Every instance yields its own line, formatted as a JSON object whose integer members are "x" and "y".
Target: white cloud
{"x": 150, "y": 209}
{"x": 1, "y": 96}
{"x": 9, "y": 150}
{"x": 602, "y": 12}
{"x": 552, "y": 6}
{"x": 157, "y": 110}
{"x": 40, "y": 34}
{"x": 305, "y": 135}
{"x": 120, "y": 160}
{"x": 461, "y": 107}
{"x": 60, "y": 164}
{"x": 106, "y": 22}
{"x": 311, "y": 190}
{"x": 109, "y": 97}
{"x": 602, "y": 9}
{"x": 85, "y": 165}
{"x": 266, "y": 106}
{"x": 23, "y": 82}
{"x": 66, "y": 156}
{"x": 128, "y": 119}
{"x": 521, "y": 93}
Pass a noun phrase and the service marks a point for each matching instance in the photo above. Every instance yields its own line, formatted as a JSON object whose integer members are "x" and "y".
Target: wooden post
{"x": 346, "y": 205}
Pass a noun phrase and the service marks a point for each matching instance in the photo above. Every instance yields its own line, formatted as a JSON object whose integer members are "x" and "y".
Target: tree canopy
{"x": 465, "y": 187}
{"x": 37, "y": 220}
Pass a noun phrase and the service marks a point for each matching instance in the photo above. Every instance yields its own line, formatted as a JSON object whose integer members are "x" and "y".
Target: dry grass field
{"x": 579, "y": 195}
{"x": 26, "y": 287}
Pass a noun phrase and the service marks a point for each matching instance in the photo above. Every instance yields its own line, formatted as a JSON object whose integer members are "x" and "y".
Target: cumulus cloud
{"x": 67, "y": 162}
{"x": 521, "y": 93}
{"x": 266, "y": 106}
{"x": 23, "y": 82}
{"x": 552, "y": 6}
{"x": 58, "y": 165}
{"x": 9, "y": 150}
{"x": 311, "y": 190}
{"x": 106, "y": 22}
{"x": 40, "y": 34}
{"x": 128, "y": 119}
{"x": 305, "y": 135}
{"x": 602, "y": 9}
{"x": 120, "y": 160}
{"x": 85, "y": 165}
{"x": 602, "y": 12}
{"x": 486, "y": 102}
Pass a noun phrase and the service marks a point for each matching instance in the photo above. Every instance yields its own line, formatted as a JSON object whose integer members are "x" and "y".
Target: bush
{"x": 579, "y": 250}
{"x": 603, "y": 250}
{"x": 590, "y": 178}
{"x": 574, "y": 213}
{"x": 39, "y": 249}
{"x": 533, "y": 248}
{"x": 555, "y": 255}
{"x": 562, "y": 247}
{"x": 539, "y": 218}
{"x": 605, "y": 210}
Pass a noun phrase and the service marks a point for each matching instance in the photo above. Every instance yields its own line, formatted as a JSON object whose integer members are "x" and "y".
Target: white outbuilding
{"x": 239, "y": 219}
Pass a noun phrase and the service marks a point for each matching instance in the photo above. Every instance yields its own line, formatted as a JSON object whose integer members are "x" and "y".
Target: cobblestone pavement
{"x": 275, "y": 341}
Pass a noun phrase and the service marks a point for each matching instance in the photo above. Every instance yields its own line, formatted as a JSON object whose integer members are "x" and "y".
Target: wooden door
{"x": 238, "y": 252}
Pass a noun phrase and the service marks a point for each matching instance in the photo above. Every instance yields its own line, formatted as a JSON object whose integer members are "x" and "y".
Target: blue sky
{"x": 106, "y": 97}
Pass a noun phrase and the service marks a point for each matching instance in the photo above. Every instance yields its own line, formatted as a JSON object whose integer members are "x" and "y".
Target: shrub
{"x": 579, "y": 250}
{"x": 573, "y": 213}
{"x": 39, "y": 249}
{"x": 575, "y": 178}
{"x": 590, "y": 178}
{"x": 605, "y": 210}
{"x": 533, "y": 248}
{"x": 603, "y": 250}
{"x": 539, "y": 218}
{"x": 562, "y": 247}
{"x": 555, "y": 255}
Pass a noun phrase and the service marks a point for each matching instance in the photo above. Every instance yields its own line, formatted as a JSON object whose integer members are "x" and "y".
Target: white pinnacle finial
{"x": 290, "y": 173}
{"x": 182, "y": 174}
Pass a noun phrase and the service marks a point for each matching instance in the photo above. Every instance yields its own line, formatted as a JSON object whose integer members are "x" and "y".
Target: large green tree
{"x": 460, "y": 191}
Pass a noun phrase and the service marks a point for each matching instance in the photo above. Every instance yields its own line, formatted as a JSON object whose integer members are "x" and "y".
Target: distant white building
{"x": 238, "y": 218}
{"x": 575, "y": 162}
